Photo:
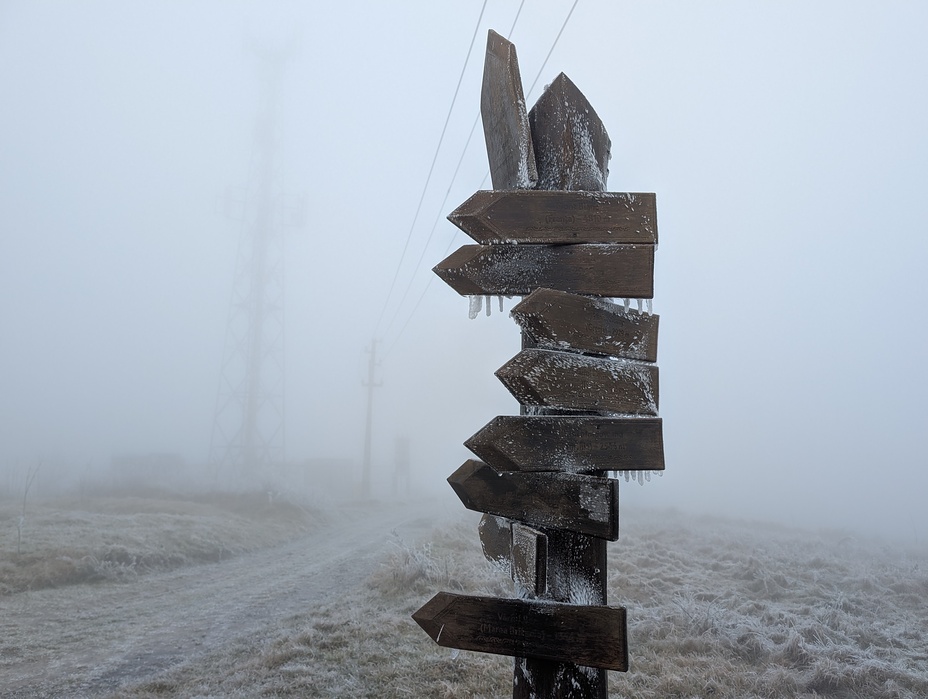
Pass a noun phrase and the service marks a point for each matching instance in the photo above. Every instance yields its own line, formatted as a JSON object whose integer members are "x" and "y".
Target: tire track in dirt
{"x": 89, "y": 640}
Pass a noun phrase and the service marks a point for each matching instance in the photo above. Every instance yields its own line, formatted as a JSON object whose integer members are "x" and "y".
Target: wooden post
{"x": 562, "y": 122}
{"x": 585, "y": 380}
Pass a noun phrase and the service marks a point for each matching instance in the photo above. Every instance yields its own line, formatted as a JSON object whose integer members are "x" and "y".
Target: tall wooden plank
{"x": 505, "y": 120}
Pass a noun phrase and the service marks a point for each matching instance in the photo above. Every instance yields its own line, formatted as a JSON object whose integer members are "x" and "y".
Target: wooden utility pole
{"x": 585, "y": 380}
{"x": 370, "y": 384}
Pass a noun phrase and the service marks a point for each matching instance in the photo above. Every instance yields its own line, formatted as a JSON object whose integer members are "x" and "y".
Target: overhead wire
{"x": 551, "y": 50}
{"x": 428, "y": 178}
{"x": 438, "y": 217}
{"x": 451, "y": 241}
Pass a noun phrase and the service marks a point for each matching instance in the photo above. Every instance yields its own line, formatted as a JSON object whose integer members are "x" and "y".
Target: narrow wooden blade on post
{"x": 529, "y": 559}
{"x": 558, "y": 320}
{"x": 571, "y": 144}
{"x": 577, "y": 382}
{"x": 505, "y": 119}
{"x": 494, "y": 217}
{"x": 582, "y": 504}
{"x": 570, "y": 443}
{"x": 594, "y": 636}
{"x": 625, "y": 271}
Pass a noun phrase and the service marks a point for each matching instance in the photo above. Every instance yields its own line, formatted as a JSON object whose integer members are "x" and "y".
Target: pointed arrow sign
{"x": 558, "y": 217}
{"x": 558, "y": 320}
{"x": 576, "y": 382}
{"x": 572, "y": 444}
{"x": 593, "y": 636}
{"x": 583, "y": 504}
{"x": 517, "y": 270}
{"x": 571, "y": 144}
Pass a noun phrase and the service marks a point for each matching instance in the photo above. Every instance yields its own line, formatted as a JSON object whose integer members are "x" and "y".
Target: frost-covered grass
{"x": 716, "y": 609}
{"x": 73, "y": 541}
{"x": 732, "y": 609}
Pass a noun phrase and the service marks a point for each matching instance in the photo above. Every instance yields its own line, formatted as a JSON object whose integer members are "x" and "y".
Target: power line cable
{"x": 444, "y": 201}
{"x": 453, "y": 178}
{"x": 556, "y": 39}
{"x": 431, "y": 170}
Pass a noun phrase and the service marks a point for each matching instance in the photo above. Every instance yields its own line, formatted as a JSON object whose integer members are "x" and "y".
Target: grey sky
{"x": 786, "y": 143}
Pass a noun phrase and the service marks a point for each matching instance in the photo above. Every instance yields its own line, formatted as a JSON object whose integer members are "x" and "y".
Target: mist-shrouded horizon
{"x": 785, "y": 142}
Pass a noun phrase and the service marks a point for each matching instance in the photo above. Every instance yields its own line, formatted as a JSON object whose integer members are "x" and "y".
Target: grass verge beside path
{"x": 92, "y": 539}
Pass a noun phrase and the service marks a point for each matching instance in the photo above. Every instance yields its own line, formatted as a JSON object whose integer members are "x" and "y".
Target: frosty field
{"x": 158, "y": 597}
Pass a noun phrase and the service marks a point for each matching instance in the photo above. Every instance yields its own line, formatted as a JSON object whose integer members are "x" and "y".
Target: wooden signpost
{"x": 585, "y": 379}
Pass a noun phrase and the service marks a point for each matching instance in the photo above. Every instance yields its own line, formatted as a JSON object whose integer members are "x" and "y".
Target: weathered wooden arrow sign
{"x": 495, "y": 538}
{"x": 505, "y": 119}
{"x": 491, "y": 217}
{"x": 558, "y": 320}
{"x": 517, "y": 270}
{"x": 568, "y": 381}
{"x": 593, "y": 636}
{"x": 583, "y": 504}
{"x": 573, "y": 444}
{"x": 570, "y": 139}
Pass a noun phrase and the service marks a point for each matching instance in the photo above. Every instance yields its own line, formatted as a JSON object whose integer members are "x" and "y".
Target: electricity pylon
{"x": 248, "y": 432}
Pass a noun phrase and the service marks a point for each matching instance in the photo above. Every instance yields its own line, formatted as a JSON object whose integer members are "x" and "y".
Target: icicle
{"x": 650, "y": 307}
{"x": 647, "y": 476}
{"x": 628, "y": 476}
{"x": 639, "y": 305}
{"x": 627, "y": 304}
{"x": 640, "y": 477}
{"x": 476, "y": 302}
{"x": 500, "y": 304}
{"x": 489, "y": 306}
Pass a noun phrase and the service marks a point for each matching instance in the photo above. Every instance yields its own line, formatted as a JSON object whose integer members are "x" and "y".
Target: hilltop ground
{"x": 241, "y": 596}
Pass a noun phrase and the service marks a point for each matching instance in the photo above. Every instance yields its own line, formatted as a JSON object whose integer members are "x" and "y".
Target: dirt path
{"x": 89, "y": 640}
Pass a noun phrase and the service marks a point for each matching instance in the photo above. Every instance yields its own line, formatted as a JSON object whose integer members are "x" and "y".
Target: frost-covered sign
{"x": 585, "y": 378}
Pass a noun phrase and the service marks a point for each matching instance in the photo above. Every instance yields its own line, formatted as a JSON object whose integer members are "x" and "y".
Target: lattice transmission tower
{"x": 248, "y": 435}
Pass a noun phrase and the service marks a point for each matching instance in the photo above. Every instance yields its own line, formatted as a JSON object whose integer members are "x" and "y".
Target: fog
{"x": 785, "y": 140}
